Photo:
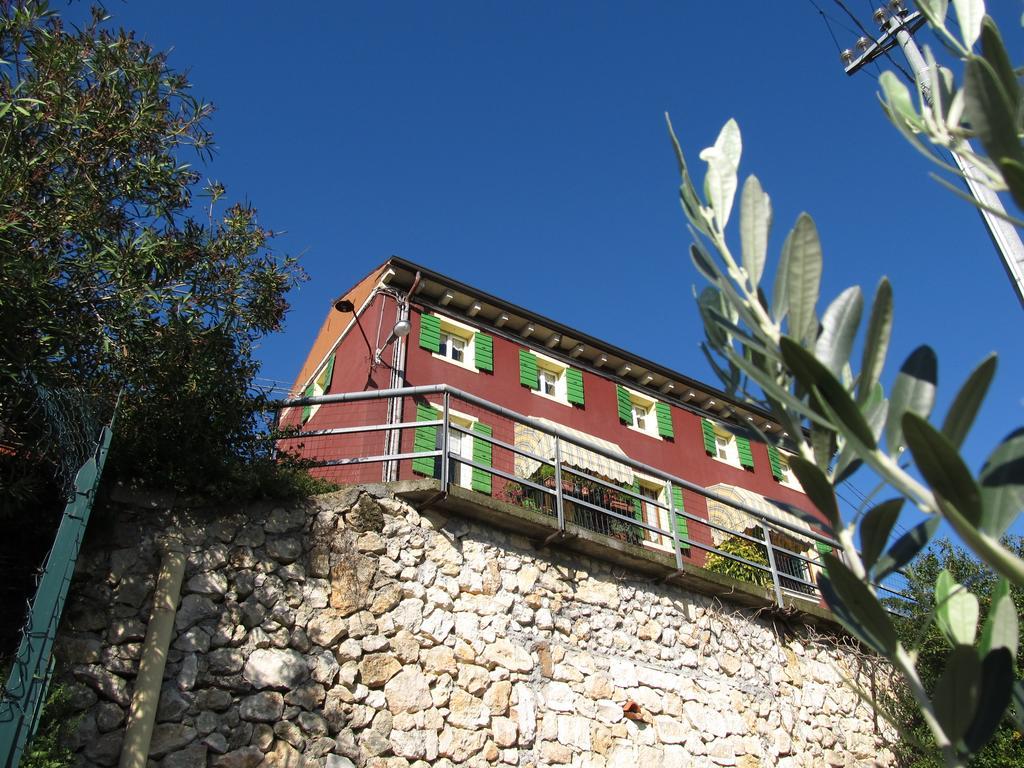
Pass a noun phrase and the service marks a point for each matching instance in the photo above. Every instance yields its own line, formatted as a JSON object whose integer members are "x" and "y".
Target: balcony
{"x": 452, "y": 450}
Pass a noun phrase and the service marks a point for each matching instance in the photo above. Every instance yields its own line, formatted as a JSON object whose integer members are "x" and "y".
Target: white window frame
{"x": 463, "y": 476}
{"x": 732, "y": 450}
{"x": 557, "y": 371}
{"x": 650, "y": 427}
{"x": 659, "y": 541}
{"x": 788, "y": 478}
{"x": 466, "y": 334}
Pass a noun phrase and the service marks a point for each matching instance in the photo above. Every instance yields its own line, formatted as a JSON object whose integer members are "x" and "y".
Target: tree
{"x": 114, "y": 278}
{"x": 840, "y": 420}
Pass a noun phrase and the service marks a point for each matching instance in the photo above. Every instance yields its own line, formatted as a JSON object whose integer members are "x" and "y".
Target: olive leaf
{"x": 913, "y": 392}
{"x": 755, "y": 224}
{"x": 956, "y": 610}
{"x": 876, "y": 341}
{"x": 876, "y": 528}
{"x": 803, "y": 279}
{"x": 856, "y": 607}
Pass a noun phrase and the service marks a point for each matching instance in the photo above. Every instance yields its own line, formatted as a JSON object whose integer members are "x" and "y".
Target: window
{"x": 644, "y": 414}
{"x": 729, "y": 448}
{"x": 547, "y": 382}
{"x": 463, "y": 446}
{"x": 457, "y": 343}
{"x": 453, "y": 347}
{"x": 653, "y": 514}
{"x": 725, "y": 449}
{"x": 639, "y": 416}
{"x": 551, "y": 378}
{"x": 781, "y": 470}
{"x": 654, "y": 509}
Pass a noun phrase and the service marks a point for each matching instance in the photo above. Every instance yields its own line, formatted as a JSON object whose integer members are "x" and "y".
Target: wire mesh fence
{"x": 68, "y": 417}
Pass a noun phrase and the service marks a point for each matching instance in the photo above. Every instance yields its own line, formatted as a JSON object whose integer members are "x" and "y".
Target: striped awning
{"x": 738, "y": 520}
{"x": 543, "y": 444}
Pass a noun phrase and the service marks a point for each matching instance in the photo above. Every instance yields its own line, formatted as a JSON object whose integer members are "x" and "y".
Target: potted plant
{"x": 621, "y": 530}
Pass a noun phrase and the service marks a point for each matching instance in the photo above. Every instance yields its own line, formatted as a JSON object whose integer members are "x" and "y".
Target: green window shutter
{"x": 430, "y": 332}
{"x": 823, "y": 549}
{"x": 307, "y": 410}
{"x": 664, "y": 416}
{"x": 328, "y": 373}
{"x": 528, "y": 369}
{"x": 743, "y": 449}
{"x": 638, "y": 509}
{"x": 773, "y": 459}
{"x": 709, "y": 436}
{"x": 677, "y": 504}
{"x": 425, "y": 439}
{"x": 483, "y": 352}
{"x": 625, "y": 405}
{"x": 574, "y": 385}
{"x": 482, "y": 455}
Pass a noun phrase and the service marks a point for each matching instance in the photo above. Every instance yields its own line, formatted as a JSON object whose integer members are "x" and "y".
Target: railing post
{"x": 559, "y": 501}
{"x": 674, "y": 526}
{"x": 445, "y": 480}
{"x": 771, "y": 564}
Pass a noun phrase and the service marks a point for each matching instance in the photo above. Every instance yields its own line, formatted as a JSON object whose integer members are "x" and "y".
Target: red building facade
{"x": 406, "y": 326}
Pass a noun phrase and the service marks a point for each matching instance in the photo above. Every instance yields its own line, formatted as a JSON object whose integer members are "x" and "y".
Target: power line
{"x": 825, "y": 18}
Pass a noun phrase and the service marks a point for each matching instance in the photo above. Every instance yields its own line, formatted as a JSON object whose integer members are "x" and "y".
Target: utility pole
{"x": 898, "y": 28}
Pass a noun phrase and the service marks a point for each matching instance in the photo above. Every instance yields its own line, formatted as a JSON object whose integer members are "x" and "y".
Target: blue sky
{"x": 520, "y": 147}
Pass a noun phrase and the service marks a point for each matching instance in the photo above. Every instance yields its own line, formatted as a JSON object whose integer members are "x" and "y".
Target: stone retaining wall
{"x": 352, "y": 630}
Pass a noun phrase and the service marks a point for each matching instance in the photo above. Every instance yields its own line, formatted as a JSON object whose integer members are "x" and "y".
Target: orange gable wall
{"x": 332, "y": 327}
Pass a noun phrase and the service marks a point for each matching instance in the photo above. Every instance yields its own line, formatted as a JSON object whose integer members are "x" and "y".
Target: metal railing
{"x": 573, "y": 495}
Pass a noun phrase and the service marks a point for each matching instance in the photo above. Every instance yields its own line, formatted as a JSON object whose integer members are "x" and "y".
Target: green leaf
{"x": 856, "y": 607}
{"x": 838, "y": 328}
{"x": 964, "y": 409}
{"x": 969, "y": 14}
{"x": 876, "y": 528}
{"x": 1013, "y": 175}
{"x": 956, "y": 610}
{"x": 755, "y": 223}
{"x": 875, "y": 410}
{"x": 996, "y": 689}
{"x": 1002, "y": 484}
{"x": 913, "y": 392}
{"x": 812, "y": 374}
{"x": 956, "y": 692}
{"x": 1000, "y": 628}
{"x": 823, "y": 443}
{"x": 780, "y": 301}
{"x": 942, "y": 467}
{"x": 687, "y": 193}
{"x": 899, "y": 103}
{"x": 803, "y": 279}
{"x": 906, "y": 547}
{"x": 876, "y": 342}
{"x": 703, "y": 263}
{"x": 934, "y": 11}
{"x": 990, "y": 112}
{"x": 817, "y": 488}
{"x": 710, "y": 304}
{"x": 1018, "y": 705}
{"x": 1002, "y": 560}
{"x": 994, "y": 51}
{"x": 723, "y": 161}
